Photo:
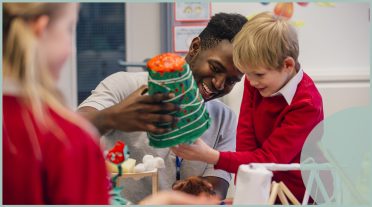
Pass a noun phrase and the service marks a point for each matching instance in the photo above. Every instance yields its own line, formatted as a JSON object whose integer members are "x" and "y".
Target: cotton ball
{"x": 150, "y": 165}
{"x": 139, "y": 168}
{"x": 147, "y": 158}
{"x": 159, "y": 162}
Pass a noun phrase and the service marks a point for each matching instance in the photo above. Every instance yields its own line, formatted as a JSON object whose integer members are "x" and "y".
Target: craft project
{"x": 170, "y": 73}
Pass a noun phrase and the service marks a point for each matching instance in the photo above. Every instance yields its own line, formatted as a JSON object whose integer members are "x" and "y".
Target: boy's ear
{"x": 289, "y": 64}
{"x": 194, "y": 47}
{"x": 39, "y": 25}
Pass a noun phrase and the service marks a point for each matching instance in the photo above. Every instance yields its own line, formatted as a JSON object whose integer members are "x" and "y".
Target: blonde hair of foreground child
{"x": 266, "y": 40}
{"x": 26, "y": 65}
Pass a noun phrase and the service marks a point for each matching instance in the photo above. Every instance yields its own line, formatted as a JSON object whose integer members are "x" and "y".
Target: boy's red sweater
{"x": 271, "y": 131}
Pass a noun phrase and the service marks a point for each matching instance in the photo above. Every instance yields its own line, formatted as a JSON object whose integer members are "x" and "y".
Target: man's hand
{"x": 137, "y": 112}
{"x": 199, "y": 151}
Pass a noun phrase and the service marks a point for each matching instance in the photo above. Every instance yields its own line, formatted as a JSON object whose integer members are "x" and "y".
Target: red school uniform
{"x": 41, "y": 168}
{"x": 271, "y": 130}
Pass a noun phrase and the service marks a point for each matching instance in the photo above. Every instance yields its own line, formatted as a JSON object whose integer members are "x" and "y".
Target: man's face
{"x": 214, "y": 70}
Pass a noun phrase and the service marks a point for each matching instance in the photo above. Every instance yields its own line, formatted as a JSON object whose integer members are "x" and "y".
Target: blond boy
{"x": 280, "y": 106}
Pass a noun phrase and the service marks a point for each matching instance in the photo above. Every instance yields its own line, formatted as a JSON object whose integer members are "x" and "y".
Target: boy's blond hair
{"x": 265, "y": 41}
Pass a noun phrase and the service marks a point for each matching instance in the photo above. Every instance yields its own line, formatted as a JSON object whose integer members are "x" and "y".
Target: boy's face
{"x": 268, "y": 81}
{"x": 213, "y": 69}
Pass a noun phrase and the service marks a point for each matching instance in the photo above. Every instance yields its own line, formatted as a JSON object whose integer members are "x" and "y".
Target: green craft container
{"x": 193, "y": 117}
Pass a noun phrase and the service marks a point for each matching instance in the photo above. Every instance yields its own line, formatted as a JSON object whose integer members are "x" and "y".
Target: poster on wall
{"x": 192, "y": 11}
{"x": 183, "y": 35}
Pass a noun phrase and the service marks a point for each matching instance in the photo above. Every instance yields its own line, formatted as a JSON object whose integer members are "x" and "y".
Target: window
{"x": 100, "y": 44}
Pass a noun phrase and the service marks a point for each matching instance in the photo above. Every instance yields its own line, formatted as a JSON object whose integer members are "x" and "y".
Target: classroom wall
{"x": 68, "y": 80}
{"x": 143, "y": 31}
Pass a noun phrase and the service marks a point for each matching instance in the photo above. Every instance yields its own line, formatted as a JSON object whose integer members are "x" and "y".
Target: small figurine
{"x": 116, "y": 156}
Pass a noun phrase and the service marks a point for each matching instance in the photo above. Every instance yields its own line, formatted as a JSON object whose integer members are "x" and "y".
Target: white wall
{"x": 68, "y": 80}
{"x": 142, "y": 31}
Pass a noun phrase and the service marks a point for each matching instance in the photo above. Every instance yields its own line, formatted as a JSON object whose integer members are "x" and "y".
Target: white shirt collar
{"x": 288, "y": 91}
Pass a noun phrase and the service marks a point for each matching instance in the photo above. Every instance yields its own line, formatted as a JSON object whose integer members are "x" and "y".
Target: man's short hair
{"x": 222, "y": 26}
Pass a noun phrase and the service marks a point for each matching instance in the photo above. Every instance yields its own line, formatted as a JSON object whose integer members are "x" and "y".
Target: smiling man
{"x": 211, "y": 62}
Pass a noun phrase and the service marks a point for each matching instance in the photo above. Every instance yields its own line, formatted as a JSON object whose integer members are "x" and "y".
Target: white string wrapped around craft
{"x": 193, "y": 117}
